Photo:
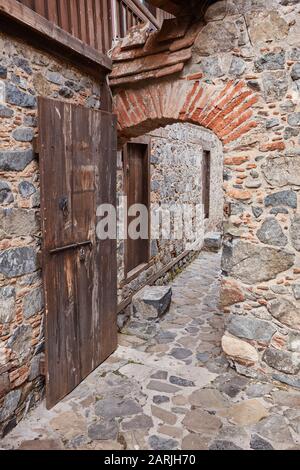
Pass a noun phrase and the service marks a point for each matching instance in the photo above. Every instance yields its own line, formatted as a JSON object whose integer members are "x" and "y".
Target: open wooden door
{"x": 78, "y": 173}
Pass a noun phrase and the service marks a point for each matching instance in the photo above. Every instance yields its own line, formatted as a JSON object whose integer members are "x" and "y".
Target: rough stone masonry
{"x": 236, "y": 73}
{"x": 239, "y": 77}
{"x": 176, "y": 178}
{"x": 25, "y": 73}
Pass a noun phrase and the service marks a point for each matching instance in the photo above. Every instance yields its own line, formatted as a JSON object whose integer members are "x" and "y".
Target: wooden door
{"x": 137, "y": 191}
{"x": 206, "y": 182}
{"x": 78, "y": 173}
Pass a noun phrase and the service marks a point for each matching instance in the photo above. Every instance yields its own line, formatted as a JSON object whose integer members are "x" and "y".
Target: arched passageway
{"x": 190, "y": 72}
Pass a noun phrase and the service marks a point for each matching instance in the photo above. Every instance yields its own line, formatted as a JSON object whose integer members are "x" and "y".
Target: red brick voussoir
{"x": 227, "y": 111}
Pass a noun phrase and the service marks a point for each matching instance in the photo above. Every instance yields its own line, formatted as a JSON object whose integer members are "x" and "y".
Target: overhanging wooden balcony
{"x": 80, "y": 30}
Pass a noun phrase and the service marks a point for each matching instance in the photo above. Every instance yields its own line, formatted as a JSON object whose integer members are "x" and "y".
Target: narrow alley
{"x": 145, "y": 396}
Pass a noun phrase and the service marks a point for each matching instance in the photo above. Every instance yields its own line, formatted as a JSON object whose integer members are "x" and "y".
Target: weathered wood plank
{"x": 64, "y": 19}
{"x": 107, "y": 249}
{"x": 151, "y": 62}
{"x": 80, "y": 283}
{"x": 137, "y": 192}
{"x": 90, "y": 22}
{"x": 53, "y": 11}
{"x": 106, "y": 27}
{"x": 40, "y": 7}
{"x": 50, "y": 31}
{"x": 158, "y": 73}
{"x": 74, "y": 18}
{"x": 139, "y": 9}
{"x": 98, "y": 26}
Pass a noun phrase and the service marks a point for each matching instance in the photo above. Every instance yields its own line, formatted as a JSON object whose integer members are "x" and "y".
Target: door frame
{"x": 206, "y": 154}
{"x": 143, "y": 140}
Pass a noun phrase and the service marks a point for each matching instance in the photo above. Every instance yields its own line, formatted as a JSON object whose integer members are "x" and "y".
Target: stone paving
{"x": 172, "y": 391}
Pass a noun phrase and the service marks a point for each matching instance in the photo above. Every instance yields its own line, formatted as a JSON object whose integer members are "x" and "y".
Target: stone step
{"x": 213, "y": 241}
{"x": 151, "y": 302}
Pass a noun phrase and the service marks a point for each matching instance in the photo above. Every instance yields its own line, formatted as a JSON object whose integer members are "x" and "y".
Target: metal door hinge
{"x": 69, "y": 247}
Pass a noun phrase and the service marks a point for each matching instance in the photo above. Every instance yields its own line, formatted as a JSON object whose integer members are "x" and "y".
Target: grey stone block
{"x": 20, "y": 341}
{"x": 23, "y": 134}
{"x": 237, "y": 67}
{"x": 115, "y": 408}
{"x": 275, "y": 85}
{"x": 35, "y": 366}
{"x": 3, "y": 72}
{"x": 213, "y": 241}
{"x": 252, "y": 263}
{"x": 18, "y": 97}
{"x": 251, "y": 328}
{"x": 66, "y": 92}
{"x": 296, "y": 291}
{"x": 33, "y": 302}
{"x": 6, "y": 196}
{"x": 152, "y": 302}
{"x": 18, "y": 261}
{"x": 272, "y": 122}
{"x": 295, "y": 72}
{"x": 282, "y": 198}
{"x": 15, "y": 222}
{"x": 282, "y": 361}
{"x": 26, "y": 189}
{"x": 5, "y": 112}
{"x": 270, "y": 61}
{"x": 271, "y": 233}
{"x": 7, "y": 304}
{"x": 104, "y": 430}
{"x": 295, "y": 232}
{"x": 55, "y": 77}
{"x": 141, "y": 329}
{"x": 258, "y": 443}
{"x": 287, "y": 379}
{"x": 15, "y": 160}
{"x": 294, "y": 119}
{"x": 23, "y": 64}
{"x": 10, "y": 404}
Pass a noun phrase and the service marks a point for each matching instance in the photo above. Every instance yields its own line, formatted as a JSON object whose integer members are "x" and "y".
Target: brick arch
{"x": 227, "y": 111}
{"x": 183, "y": 73}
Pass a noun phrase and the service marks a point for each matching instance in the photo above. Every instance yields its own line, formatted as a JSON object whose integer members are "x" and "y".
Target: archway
{"x": 158, "y": 79}
{"x": 227, "y": 111}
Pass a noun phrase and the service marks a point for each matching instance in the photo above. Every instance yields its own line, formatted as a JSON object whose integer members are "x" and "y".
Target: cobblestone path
{"x": 174, "y": 391}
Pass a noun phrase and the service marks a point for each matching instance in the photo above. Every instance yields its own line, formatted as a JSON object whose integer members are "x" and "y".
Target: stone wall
{"x": 25, "y": 73}
{"x": 176, "y": 178}
{"x": 259, "y": 43}
{"x": 240, "y": 77}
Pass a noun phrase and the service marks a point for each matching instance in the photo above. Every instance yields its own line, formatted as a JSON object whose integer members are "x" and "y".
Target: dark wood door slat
{"x": 80, "y": 284}
{"x": 137, "y": 190}
{"x": 96, "y": 22}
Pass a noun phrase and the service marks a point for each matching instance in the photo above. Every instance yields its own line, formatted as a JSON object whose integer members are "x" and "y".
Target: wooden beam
{"x": 142, "y": 12}
{"x": 176, "y": 8}
{"x": 51, "y": 33}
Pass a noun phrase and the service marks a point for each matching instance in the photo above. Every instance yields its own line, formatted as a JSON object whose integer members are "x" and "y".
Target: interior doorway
{"x": 206, "y": 163}
{"x": 137, "y": 189}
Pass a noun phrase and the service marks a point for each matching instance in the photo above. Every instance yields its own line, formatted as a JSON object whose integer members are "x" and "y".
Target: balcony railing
{"x": 96, "y": 22}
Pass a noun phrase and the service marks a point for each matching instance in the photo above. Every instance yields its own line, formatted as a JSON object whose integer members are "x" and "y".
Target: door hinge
{"x": 69, "y": 247}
